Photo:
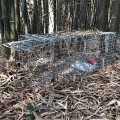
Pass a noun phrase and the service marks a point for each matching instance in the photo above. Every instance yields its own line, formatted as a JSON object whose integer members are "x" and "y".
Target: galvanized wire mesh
{"x": 46, "y": 59}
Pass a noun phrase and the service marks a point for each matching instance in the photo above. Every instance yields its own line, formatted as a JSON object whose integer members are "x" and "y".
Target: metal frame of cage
{"x": 46, "y": 59}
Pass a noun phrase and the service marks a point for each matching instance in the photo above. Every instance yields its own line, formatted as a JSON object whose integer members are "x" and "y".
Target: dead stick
{"x": 103, "y": 64}
{"x": 74, "y": 77}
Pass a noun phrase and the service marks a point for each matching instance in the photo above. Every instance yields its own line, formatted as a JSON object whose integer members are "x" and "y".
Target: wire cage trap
{"x": 45, "y": 59}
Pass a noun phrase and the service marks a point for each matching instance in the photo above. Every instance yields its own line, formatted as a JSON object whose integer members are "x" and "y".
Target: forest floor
{"x": 95, "y": 97}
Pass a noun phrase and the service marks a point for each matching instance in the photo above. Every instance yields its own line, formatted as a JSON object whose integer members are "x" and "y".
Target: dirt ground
{"x": 95, "y": 97}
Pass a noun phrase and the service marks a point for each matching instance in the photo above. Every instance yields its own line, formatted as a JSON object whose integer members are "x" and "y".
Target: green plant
{"x": 31, "y": 108}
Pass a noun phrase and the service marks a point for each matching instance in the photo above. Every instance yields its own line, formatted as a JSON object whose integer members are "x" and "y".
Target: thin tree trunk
{"x": 115, "y": 16}
{"x": 97, "y": 20}
{"x": 58, "y": 15}
{"x": 2, "y": 30}
{"x": 54, "y": 15}
{"x": 24, "y": 13}
{"x": 17, "y": 17}
{"x": 51, "y": 17}
{"x": 76, "y": 16}
{"x": 65, "y": 14}
{"x": 0, "y": 15}
{"x": 12, "y": 22}
{"x": 35, "y": 25}
{"x": 12, "y": 29}
{"x": 40, "y": 24}
{"x": 70, "y": 15}
{"x": 105, "y": 15}
{"x": 92, "y": 14}
{"x": 84, "y": 14}
{"x": 5, "y": 16}
{"x": 118, "y": 21}
{"x": 114, "y": 20}
{"x": 1, "y": 24}
{"x": 46, "y": 15}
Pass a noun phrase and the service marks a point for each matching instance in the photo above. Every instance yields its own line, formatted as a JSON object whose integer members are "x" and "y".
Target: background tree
{"x": 46, "y": 15}
{"x": 17, "y": 17}
{"x": 35, "y": 21}
{"x": 24, "y": 13}
{"x": 40, "y": 22}
{"x": 12, "y": 21}
{"x": 114, "y": 26}
{"x": 84, "y": 14}
{"x": 12, "y": 28}
{"x": 1, "y": 24}
{"x": 58, "y": 16}
{"x": 105, "y": 15}
{"x": 54, "y": 15}
{"x": 0, "y": 15}
{"x": 68, "y": 15}
{"x": 6, "y": 22}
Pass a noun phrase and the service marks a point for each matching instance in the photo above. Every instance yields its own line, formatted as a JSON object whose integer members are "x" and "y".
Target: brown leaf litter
{"x": 95, "y": 97}
{"x": 92, "y": 97}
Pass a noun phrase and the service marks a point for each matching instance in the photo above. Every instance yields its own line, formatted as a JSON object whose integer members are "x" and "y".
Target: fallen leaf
{"x": 118, "y": 102}
{"x": 7, "y": 94}
{"x": 63, "y": 105}
{"x": 19, "y": 105}
{"x": 35, "y": 90}
{"x": 30, "y": 95}
{"x": 101, "y": 119}
{"x": 29, "y": 100}
{"x": 111, "y": 102}
{"x": 3, "y": 80}
{"x": 42, "y": 98}
{"x": 118, "y": 118}
{"x": 47, "y": 113}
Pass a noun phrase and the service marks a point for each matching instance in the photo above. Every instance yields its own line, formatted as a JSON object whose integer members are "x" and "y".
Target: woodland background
{"x": 46, "y": 16}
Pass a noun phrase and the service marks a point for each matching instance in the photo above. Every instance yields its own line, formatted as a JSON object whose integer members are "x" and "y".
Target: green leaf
{"x": 38, "y": 107}
{"x": 30, "y": 117}
{"x": 29, "y": 107}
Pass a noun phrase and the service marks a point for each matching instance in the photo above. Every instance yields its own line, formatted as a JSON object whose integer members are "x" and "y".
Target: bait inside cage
{"x": 45, "y": 59}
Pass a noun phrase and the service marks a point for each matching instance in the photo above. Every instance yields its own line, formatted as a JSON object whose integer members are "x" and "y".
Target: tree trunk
{"x": 58, "y": 15}
{"x": 54, "y": 15}
{"x": 76, "y": 16}
{"x": 71, "y": 14}
{"x": 12, "y": 29}
{"x": 35, "y": 25}
{"x": 24, "y": 13}
{"x": 118, "y": 21}
{"x": 2, "y": 29}
{"x": 17, "y": 17}
{"x": 5, "y": 16}
{"x": 46, "y": 15}
{"x": 115, "y": 20}
{"x": 51, "y": 17}
{"x": 84, "y": 14}
{"x": 115, "y": 16}
{"x": 0, "y": 16}
{"x": 1, "y": 24}
{"x": 12, "y": 22}
{"x": 65, "y": 14}
{"x": 97, "y": 20}
{"x": 105, "y": 15}
{"x": 40, "y": 28}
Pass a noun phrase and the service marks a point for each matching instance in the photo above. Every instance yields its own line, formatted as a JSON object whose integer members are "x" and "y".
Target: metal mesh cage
{"x": 46, "y": 59}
